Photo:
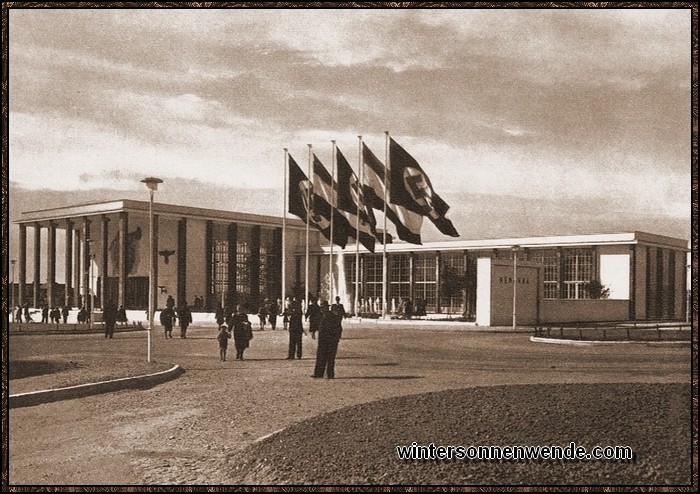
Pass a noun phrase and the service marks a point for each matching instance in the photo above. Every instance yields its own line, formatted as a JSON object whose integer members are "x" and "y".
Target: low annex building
{"x": 204, "y": 257}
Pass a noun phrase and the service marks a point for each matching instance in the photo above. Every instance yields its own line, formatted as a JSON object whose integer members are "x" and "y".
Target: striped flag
{"x": 410, "y": 187}
{"x": 408, "y": 223}
{"x": 351, "y": 201}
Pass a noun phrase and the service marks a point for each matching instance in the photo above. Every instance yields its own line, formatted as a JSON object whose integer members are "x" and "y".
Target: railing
{"x": 617, "y": 331}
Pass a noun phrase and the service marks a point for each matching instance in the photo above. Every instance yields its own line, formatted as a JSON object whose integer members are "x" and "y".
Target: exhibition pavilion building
{"x": 94, "y": 253}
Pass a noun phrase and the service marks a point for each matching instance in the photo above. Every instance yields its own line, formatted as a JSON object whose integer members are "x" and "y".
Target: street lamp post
{"x": 12, "y": 307}
{"x": 91, "y": 291}
{"x": 152, "y": 184}
{"x": 515, "y": 250}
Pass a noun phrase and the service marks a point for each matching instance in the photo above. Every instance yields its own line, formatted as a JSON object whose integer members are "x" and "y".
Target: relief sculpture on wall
{"x": 132, "y": 252}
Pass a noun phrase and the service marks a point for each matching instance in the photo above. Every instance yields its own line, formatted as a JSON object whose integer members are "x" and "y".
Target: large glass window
{"x": 578, "y": 272}
{"x": 219, "y": 263}
{"x": 425, "y": 288}
{"x": 550, "y": 261}
{"x": 453, "y": 279}
{"x": 399, "y": 279}
{"x": 267, "y": 263}
{"x": 243, "y": 253}
{"x": 372, "y": 285}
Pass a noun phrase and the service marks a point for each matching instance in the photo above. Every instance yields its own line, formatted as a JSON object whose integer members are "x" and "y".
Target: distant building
{"x": 211, "y": 256}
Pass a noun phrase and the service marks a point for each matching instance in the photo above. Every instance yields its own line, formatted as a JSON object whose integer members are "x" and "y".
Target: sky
{"x": 528, "y": 122}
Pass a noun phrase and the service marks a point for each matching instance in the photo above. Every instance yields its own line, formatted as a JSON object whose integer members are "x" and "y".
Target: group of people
{"x": 241, "y": 330}
{"x": 324, "y": 320}
{"x": 60, "y": 314}
{"x": 171, "y": 315}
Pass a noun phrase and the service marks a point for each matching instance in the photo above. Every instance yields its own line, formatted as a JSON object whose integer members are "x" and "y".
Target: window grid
{"x": 578, "y": 272}
{"x": 399, "y": 278}
{"x": 425, "y": 284}
{"x": 455, "y": 261}
{"x": 372, "y": 285}
{"x": 219, "y": 268}
{"x": 242, "y": 275}
{"x": 550, "y": 262}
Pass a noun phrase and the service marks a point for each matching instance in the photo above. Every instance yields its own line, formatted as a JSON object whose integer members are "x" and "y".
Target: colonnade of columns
{"x": 77, "y": 260}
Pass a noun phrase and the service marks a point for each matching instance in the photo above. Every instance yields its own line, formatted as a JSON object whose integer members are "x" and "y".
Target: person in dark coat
{"x": 64, "y": 313}
{"x": 338, "y": 308}
{"x": 167, "y": 318}
{"x": 223, "y": 338}
{"x": 314, "y": 316}
{"x": 242, "y": 331}
{"x": 110, "y": 318}
{"x": 262, "y": 315}
{"x": 185, "y": 316}
{"x": 296, "y": 328}
{"x": 121, "y": 315}
{"x": 273, "y": 312}
{"x": 329, "y": 335}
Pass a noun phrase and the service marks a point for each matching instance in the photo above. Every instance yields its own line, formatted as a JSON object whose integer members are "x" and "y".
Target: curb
{"x": 558, "y": 341}
{"x": 137, "y": 382}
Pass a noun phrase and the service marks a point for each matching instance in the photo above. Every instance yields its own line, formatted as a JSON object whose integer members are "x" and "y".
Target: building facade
{"x": 90, "y": 254}
{"x": 201, "y": 257}
{"x": 602, "y": 277}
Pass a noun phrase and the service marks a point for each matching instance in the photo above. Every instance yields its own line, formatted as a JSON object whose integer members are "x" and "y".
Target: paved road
{"x": 188, "y": 431}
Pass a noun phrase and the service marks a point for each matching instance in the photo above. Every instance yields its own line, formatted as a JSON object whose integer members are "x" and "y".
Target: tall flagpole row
{"x": 386, "y": 200}
{"x": 333, "y": 205}
{"x": 360, "y": 198}
{"x": 308, "y": 220}
{"x": 284, "y": 229}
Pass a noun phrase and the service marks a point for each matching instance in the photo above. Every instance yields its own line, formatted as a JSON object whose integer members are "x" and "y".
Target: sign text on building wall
{"x": 509, "y": 279}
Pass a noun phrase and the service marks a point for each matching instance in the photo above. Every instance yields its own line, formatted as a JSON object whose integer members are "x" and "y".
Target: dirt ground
{"x": 192, "y": 430}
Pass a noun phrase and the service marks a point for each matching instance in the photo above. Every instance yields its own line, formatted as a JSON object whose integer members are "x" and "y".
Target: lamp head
{"x": 152, "y": 182}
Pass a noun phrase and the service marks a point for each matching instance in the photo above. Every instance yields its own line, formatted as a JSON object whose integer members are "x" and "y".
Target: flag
{"x": 351, "y": 202}
{"x": 324, "y": 204}
{"x": 302, "y": 199}
{"x": 408, "y": 224}
{"x": 410, "y": 187}
{"x": 298, "y": 186}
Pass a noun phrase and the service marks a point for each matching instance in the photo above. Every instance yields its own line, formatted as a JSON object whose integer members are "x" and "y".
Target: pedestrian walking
{"x": 121, "y": 315}
{"x": 185, "y": 316}
{"x": 109, "y": 315}
{"x": 273, "y": 312}
{"x": 314, "y": 316}
{"x": 338, "y": 308}
{"x": 167, "y": 319}
{"x": 64, "y": 313}
{"x": 223, "y": 338}
{"x": 262, "y": 315}
{"x": 242, "y": 331}
{"x": 329, "y": 334}
{"x": 296, "y": 328}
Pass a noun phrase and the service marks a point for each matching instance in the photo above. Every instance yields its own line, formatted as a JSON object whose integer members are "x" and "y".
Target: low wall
{"x": 552, "y": 311}
{"x": 70, "y": 392}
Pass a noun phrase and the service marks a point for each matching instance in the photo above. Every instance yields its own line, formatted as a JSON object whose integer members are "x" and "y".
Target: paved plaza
{"x": 190, "y": 430}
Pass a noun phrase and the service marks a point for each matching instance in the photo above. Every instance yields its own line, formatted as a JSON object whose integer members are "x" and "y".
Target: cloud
{"x": 563, "y": 106}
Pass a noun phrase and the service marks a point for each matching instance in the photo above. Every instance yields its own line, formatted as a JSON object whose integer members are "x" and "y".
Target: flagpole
{"x": 386, "y": 199}
{"x": 308, "y": 220}
{"x": 333, "y": 201}
{"x": 360, "y": 197}
{"x": 284, "y": 228}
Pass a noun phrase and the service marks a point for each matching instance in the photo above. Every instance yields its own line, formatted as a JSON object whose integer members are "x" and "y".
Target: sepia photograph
{"x": 348, "y": 246}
